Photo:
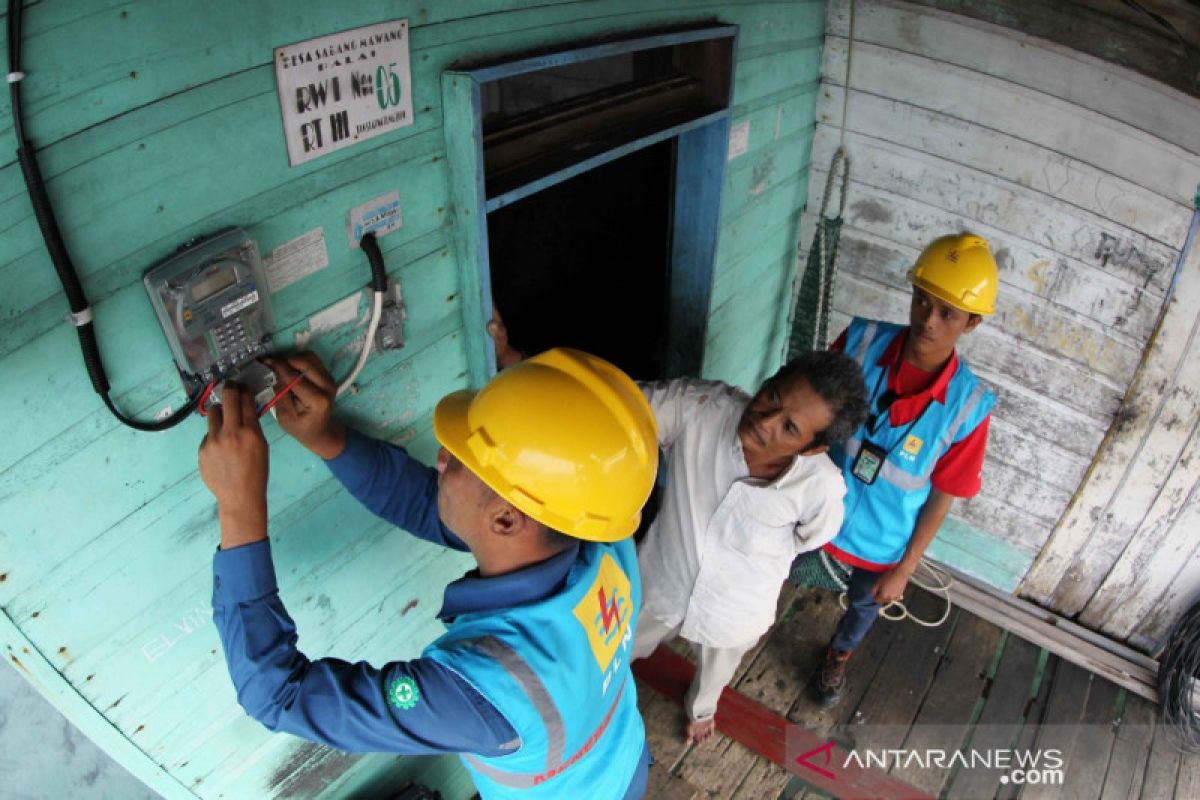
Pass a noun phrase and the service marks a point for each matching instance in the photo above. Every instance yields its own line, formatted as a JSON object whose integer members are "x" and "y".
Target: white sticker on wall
{"x": 296, "y": 259}
{"x": 340, "y": 313}
{"x": 379, "y": 216}
{"x": 739, "y": 139}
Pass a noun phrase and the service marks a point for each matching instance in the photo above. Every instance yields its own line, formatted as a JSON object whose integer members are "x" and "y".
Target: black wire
{"x": 1163, "y": 22}
{"x": 43, "y": 211}
{"x": 14, "y": 64}
{"x": 1177, "y": 672}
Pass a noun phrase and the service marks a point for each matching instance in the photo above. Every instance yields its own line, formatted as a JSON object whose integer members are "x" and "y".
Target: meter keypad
{"x": 230, "y": 339}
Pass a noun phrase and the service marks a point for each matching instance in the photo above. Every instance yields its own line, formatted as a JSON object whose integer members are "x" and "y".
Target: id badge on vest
{"x": 868, "y": 462}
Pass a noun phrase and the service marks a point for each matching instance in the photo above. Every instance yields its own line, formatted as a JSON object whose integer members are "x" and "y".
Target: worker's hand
{"x": 306, "y": 412}
{"x": 890, "y": 586}
{"x": 233, "y": 465}
{"x": 506, "y": 354}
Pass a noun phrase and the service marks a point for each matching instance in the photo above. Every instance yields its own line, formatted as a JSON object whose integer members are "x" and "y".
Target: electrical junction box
{"x": 213, "y": 303}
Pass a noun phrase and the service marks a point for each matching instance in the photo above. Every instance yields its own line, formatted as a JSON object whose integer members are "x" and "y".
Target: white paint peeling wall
{"x": 1081, "y": 174}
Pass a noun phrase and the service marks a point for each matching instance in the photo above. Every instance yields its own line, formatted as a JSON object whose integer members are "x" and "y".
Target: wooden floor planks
{"x": 964, "y": 684}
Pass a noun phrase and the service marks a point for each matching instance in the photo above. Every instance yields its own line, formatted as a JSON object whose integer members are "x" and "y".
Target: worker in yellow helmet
{"x": 922, "y": 444}
{"x": 541, "y": 476}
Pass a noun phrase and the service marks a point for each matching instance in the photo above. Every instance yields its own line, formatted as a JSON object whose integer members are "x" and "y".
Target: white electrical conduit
{"x": 368, "y": 343}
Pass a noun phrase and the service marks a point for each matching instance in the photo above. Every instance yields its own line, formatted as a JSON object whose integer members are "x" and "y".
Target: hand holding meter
{"x": 212, "y": 301}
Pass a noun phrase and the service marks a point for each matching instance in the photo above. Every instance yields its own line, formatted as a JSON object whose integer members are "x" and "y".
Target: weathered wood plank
{"x": 661, "y": 783}
{"x": 767, "y": 674}
{"x": 1052, "y": 69}
{"x": 1188, "y": 784}
{"x": 320, "y": 201}
{"x": 1079, "y": 332}
{"x": 1008, "y": 696}
{"x": 945, "y": 714}
{"x": 1078, "y": 133}
{"x": 1060, "y": 725}
{"x": 1153, "y": 632}
{"x": 1007, "y": 158}
{"x": 1161, "y": 550}
{"x": 1126, "y": 449}
{"x": 1110, "y": 31}
{"x": 886, "y": 231}
{"x": 1033, "y": 388}
{"x": 1035, "y": 711}
{"x": 1157, "y": 498}
{"x": 213, "y": 52}
{"x": 891, "y": 703}
{"x": 1162, "y": 767}
{"x": 997, "y": 561}
{"x": 1012, "y": 211}
{"x": 869, "y": 659}
{"x": 1131, "y": 750}
{"x": 79, "y": 459}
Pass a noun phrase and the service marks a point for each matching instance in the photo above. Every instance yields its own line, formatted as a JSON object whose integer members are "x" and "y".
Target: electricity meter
{"x": 212, "y": 300}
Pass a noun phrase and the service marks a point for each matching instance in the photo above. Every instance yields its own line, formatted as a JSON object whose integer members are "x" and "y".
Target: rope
{"x": 846, "y": 86}
{"x": 1177, "y": 671}
{"x": 819, "y": 570}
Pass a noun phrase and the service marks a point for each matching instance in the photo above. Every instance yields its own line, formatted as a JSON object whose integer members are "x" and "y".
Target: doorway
{"x": 587, "y": 183}
{"x": 584, "y": 263}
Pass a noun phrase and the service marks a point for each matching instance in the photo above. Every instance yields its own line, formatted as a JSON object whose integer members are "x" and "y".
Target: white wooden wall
{"x": 1080, "y": 173}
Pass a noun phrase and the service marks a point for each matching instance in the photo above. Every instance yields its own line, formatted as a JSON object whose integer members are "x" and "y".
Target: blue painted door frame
{"x": 701, "y": 148}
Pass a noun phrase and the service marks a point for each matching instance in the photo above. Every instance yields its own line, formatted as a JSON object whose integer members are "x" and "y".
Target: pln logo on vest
{"x": 912, "y": 446}
{"x": 604, "y": 610}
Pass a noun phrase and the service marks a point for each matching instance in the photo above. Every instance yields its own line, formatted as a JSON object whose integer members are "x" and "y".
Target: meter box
{"x": 212, "y": 300}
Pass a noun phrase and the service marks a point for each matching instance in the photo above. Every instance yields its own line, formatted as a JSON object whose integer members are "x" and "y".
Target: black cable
{"x": 1165, "y": 24}
{"x": 1177, "y": 672}
{"x": 375, "y": 259}
{"x": 43, "y": 211}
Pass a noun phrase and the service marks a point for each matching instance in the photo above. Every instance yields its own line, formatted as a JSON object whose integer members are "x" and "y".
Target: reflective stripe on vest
{"x": 535, "y": 690}
{"x": 907, "y": 481}
{"x": 968, "y": 408}
{"x": 868, "y": 336}
{"x": 517, "y": 667}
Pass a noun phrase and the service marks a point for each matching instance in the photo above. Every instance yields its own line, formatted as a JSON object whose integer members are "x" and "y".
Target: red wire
{"x": 267, "y": 406}
{"x": 201, "y": 409}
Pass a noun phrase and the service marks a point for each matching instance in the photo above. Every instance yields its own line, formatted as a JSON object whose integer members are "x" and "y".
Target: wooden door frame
{"x": 699, "y": 172}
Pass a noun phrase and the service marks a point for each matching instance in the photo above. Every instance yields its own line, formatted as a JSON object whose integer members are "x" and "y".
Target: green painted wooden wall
{"x": 159, "y": 121}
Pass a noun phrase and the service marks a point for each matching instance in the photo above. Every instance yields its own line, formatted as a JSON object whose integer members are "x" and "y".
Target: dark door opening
{"x": 585, "y": 263}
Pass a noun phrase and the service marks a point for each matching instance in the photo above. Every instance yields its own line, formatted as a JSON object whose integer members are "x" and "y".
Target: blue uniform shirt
{"x": 345, "y": 704}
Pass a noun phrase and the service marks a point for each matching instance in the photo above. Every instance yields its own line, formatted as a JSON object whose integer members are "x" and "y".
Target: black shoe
{"x": 830, "y": 680}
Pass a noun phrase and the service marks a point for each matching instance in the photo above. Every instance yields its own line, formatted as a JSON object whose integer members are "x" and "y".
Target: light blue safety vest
{"x": 880, "y": 517}
{"x": 558, "y": 670}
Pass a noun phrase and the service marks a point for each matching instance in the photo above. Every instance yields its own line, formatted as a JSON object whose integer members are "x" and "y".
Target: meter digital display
{"x": 212, "y": 301}
{"x": 219, "y": 279}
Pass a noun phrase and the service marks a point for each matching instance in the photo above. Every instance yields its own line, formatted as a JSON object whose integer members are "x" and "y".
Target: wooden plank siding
{"x": 155, "y": 122}
{"x": 1082, "y": 174}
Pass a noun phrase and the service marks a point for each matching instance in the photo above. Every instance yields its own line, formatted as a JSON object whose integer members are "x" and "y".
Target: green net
{"x": 816, "y": 570}
{"x": 810, "y": 321}
{"x": 809, "y": 329}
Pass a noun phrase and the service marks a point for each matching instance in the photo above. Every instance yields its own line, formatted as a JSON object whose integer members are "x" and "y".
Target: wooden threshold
{"x": 1120, "y": 664}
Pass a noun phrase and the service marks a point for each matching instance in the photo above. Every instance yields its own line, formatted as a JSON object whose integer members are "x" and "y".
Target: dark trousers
{"x": 861, "y": 614}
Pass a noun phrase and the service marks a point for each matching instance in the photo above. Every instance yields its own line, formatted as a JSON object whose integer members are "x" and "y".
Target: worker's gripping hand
{"x": 233, "y": 464}
{"x": 306, "y": 412}
{"x": 890, "y": 585}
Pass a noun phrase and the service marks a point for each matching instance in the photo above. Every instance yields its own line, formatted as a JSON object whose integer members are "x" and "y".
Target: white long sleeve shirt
{"x": 717, "y": 554}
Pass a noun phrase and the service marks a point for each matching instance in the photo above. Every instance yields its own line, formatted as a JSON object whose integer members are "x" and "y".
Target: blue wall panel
{"x": 158, "y": 121}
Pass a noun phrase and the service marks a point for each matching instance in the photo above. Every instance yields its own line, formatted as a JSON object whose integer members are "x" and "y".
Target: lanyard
{"x": 882, "y": 413}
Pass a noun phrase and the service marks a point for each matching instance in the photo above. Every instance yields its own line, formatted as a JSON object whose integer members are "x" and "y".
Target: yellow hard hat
{"x": 564, "y": 436}
{"x": 960, "y": 270}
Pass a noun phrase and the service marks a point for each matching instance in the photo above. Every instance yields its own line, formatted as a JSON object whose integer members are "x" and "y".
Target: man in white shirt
{"x": 748, "y": 488}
